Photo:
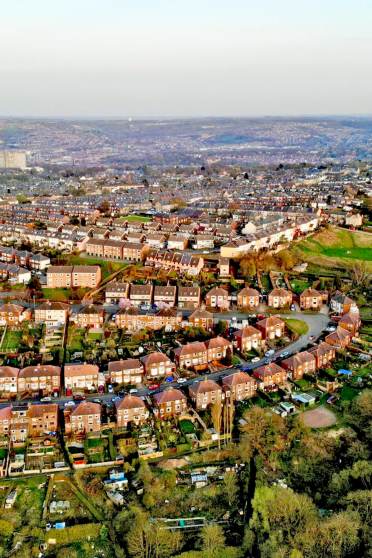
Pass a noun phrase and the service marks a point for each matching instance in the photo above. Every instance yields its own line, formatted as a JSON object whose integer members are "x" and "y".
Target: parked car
{"x": 45, "y": 399}
{"x": 256, "y": 359}
{"x": 182, "y": 380}
{"x": 153, "y": 387}
{"x": 133, "y": 390}
{"x": 69, "y": 403}
{"x": 79, "y": 397}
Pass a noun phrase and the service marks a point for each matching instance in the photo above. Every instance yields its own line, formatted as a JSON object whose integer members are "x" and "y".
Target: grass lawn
{"x": 186, "y": 427}
{"x": 11, "y": 341}
{"x": 336, "y": 247}
{"x": 348, "y": 393}
{"x": 57, "y": 295}
{"x": 133, "y": 217}
{"x": 299, "y": 285}
{"x": 296, "y": 326}
{"x": 75, "y": 339}
{"x": 107, "y": 267}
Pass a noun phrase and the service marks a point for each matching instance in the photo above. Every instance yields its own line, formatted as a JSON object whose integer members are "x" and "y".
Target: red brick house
{"x": 324, "y": 354}
{"x": 270, "y": 375}
{"x": 205, "y": 393}
{"x": 248, "y": 298}
{"x": 311, "y": 299}
{"x": 131, "y": 409}
{"x": 339, "y": 339}
{"x": 157, "y": 365}
{"x": 239, "y": 386}
{"x": 271, "y": 327}
{"x": 248, "y": 338}
{"x": 279, "y": 298}
{"x": 300, "y": 364}
{"x": 218, "y": 298}
{"x": 170, "y": 402}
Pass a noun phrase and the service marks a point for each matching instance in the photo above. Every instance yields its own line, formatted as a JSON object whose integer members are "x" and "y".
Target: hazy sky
{"x": 185, "y": 57}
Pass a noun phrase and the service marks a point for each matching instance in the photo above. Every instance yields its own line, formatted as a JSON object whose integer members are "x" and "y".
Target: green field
{"x": 296, "y": 326}
{"x": 336, "y": 247}
{"x": 107, "y": 266}
{"x": 57, "y": 294}
{"x": 133, "y": 217}
{"x": 11, "y": 341}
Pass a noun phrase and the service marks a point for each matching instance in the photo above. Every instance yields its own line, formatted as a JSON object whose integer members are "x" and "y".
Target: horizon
{"x": 192, "y": 59}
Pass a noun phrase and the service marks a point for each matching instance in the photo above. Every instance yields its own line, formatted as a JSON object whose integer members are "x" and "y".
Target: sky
{"x": 189, "y": 58}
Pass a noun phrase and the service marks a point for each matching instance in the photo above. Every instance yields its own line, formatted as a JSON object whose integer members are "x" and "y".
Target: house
{"x": 156, "y": 240}
{"x": 134, "y": 251}
{"x": 81, "y": 377}
{"x": 202, "y": 318}
{"x": 271, "y": 327}
{"x": 177, "y": 242}
{"x": 90, "y": 316}
{"x": 342, "y": 304}
{"x": 59, "y": 276}
{"x": 116, "y": 291}
{"x": 279, "y": 298}
{"x": 239, "y": 386}
{"x": 323, "y": 354}
{"x": 141, "y": 294}
{"x": 42, "y": 419}
{"x": 311, "y": 299}
{"x": 51, "y": 313}
{"x": 270, "y": 375}
{"x": 248, "y": 298}
{"x": 351, "y": 322}
{"x": 219, "y": 348}
{"x": 165, "y": 295}
{"x": 131, "y": 409}
{"x": 204, "y": 241}
{"x": 248, "y": 338}
{"x": 218, "y": 298}
{"x": 224, "y": 267}
{"x": 205, "y": 393}
{"x": 21, "y": 420}
{"x": 339, "y": 339}
{"x": 86, "y": 276}
{"x": 169, "y": 402}
{"x": 129, "y": 371}
{"x": 43, "y": 379}
{"x": 300, "y": 364}
{"x": 66, "y": 276}
{"x": 135, "y": 319}
{"x": 188, "y": 297}
{"x": 85, "y": 417}
{"x": 8, "y": 381}
{"x": 192, "y": 355}
{"x": 13, "y": 314}
{"x": 157, "y": 365}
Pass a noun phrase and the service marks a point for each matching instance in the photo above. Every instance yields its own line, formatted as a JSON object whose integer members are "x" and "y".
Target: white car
{"x": 182, "y": 380}
{"x": 133, "y": 390}
{"x": 69, "y": 404}
{"x": 255, "y": 359}
{"x": 45, "y": 399}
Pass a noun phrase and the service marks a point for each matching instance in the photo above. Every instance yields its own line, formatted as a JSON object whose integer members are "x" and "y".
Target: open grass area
{"x": 298, "y": 327}
{"x": 336, "y": 247}
{"x": 107, "y": 267}
{"x": 75, "y": 339}
{"x": 57, "y": 295}
{"x": 11, "y": 341}
{"x": 134, "y": 217}
{"x": 299, "y": 285}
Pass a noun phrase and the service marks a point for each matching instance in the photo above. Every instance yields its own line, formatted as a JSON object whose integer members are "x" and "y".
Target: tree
{"x": 74, "y": 220}
{"x": 279, "y": 518}
{"x": 216, "y": 415}
{"x": 149, "y": 540}
{"x": 212, "y": 540}
{"x": 231, "y": 487}
{"x": 360, "y": 414}
{"x": 247, "y": 266}
{"x": 6, "y": 528}
{"x": 104, "y": 206}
